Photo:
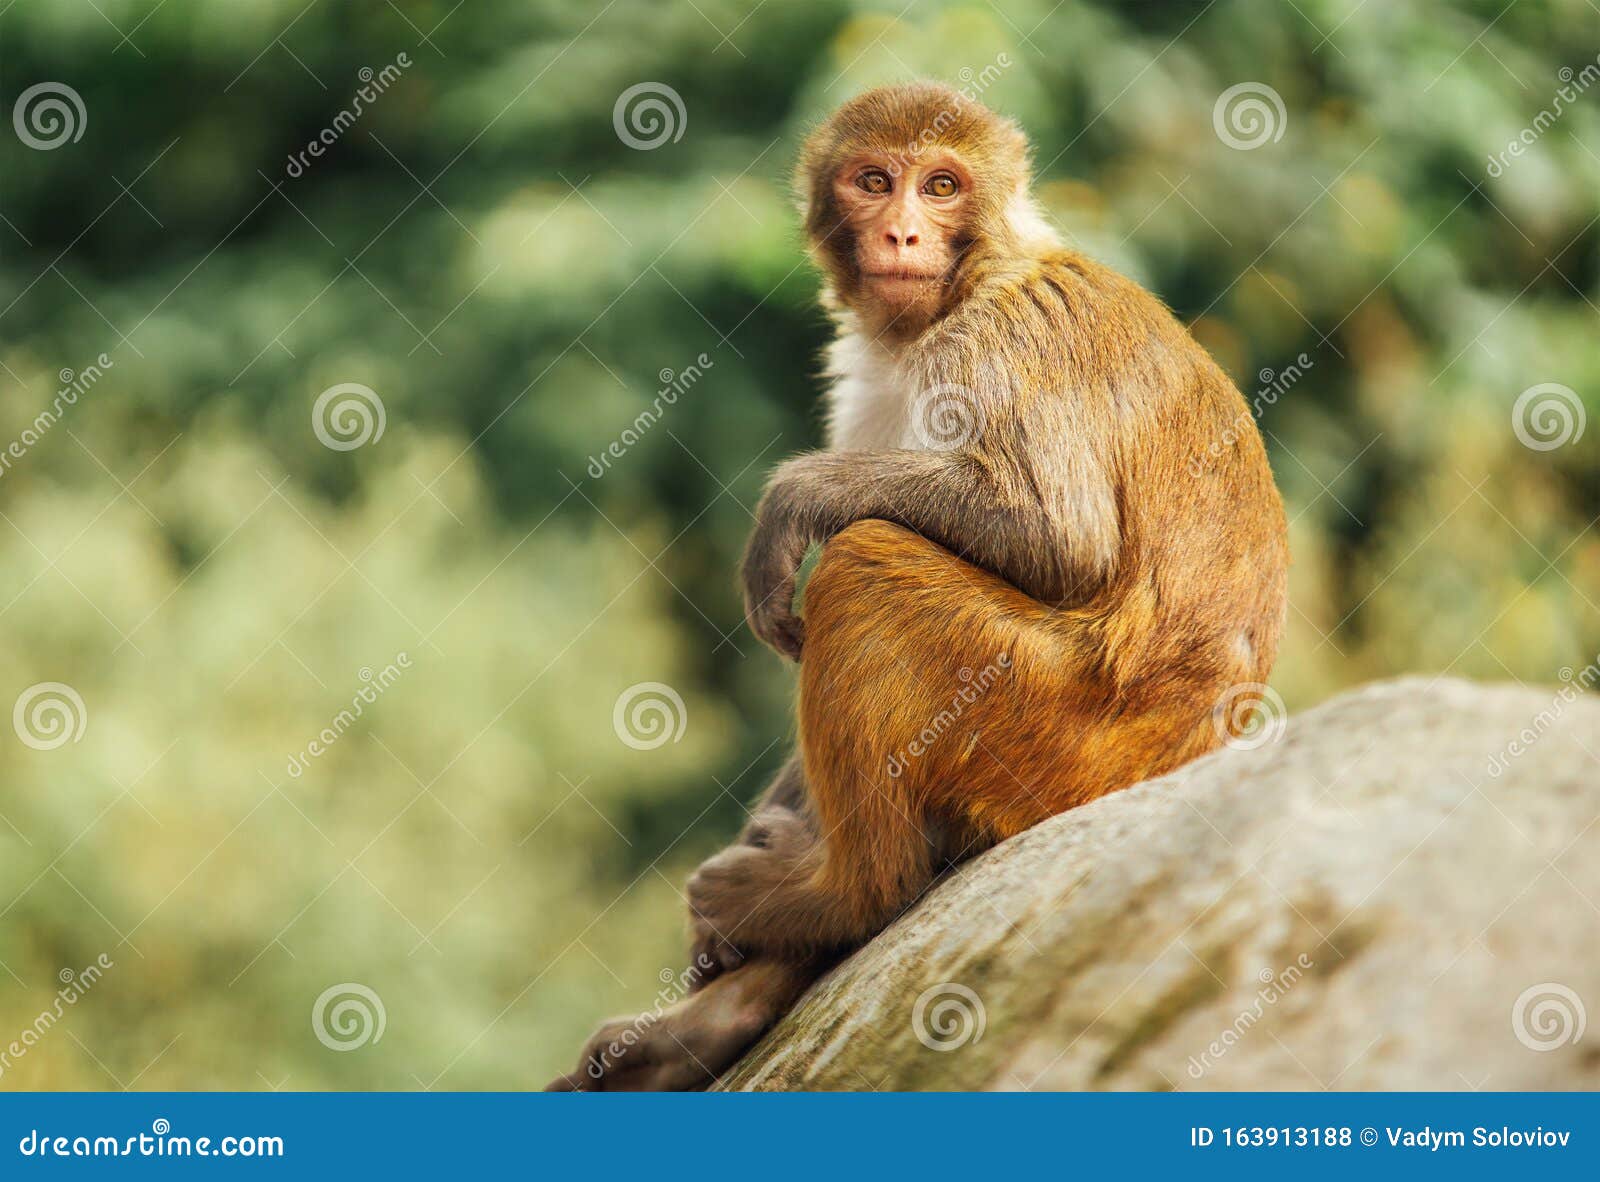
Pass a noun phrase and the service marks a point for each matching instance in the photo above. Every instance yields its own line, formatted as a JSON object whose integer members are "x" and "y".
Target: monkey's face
{"x": 904, "y": 218}
{"x": 903, "y": 187}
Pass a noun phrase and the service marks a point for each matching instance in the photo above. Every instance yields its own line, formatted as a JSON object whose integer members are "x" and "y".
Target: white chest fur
{"x": 871, "y": 401}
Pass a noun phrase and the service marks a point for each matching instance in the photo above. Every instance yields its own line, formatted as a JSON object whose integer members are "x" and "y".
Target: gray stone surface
{"x": 1358, "y": 904}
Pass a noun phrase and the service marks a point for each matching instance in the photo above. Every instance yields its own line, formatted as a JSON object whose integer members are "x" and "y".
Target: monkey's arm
{"x": 972, "y": 503}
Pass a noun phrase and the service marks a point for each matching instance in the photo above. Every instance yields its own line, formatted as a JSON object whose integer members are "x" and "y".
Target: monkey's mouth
{"x": 904, "y": 275}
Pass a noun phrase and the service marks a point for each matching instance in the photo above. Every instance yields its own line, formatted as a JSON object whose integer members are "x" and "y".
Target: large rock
{"x": 1402, "y": 890}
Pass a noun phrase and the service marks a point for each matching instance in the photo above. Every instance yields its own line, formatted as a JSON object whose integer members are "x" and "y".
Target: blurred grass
{"x": 482, "y": 251}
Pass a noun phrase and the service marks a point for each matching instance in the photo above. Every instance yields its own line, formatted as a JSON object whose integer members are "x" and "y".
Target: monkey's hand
{"x": 771, "y": 563}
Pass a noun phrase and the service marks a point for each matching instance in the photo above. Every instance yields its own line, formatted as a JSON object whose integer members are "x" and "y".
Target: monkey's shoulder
{"x": 1054, "y": 319}
{"x": 1094, "y": 302}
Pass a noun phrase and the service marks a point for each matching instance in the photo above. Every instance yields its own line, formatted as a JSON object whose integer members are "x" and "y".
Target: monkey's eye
{"x": 941, "y": 185}
{"x": 874, "y": 180}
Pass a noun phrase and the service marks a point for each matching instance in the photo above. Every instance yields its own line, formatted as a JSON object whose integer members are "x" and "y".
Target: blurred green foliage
{"x": 482, "y": 250}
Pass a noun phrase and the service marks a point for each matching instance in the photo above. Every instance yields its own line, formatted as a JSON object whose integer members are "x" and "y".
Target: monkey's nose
{"x": 901, "y": 238}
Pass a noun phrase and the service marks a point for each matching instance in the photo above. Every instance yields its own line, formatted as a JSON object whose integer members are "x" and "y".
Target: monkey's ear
{"x": 814, "y": 166}
{"x": 1027, "y": 220}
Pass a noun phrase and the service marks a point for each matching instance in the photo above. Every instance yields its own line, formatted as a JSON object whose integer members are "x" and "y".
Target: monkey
{"x": 1026, "y": 597}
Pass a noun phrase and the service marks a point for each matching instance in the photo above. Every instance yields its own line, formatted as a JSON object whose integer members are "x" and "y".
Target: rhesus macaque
{"x": 1026, "y": 598}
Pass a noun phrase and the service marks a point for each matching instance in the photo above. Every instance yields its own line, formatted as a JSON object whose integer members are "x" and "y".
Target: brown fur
{"x": 1005, "y": 630}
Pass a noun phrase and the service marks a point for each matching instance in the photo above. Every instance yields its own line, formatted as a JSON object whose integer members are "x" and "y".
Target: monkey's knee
{"x": 868, "y": 555}
{"x": 893, "y": 620}
{"x": 876, "y": 587}
{"x": 877, "y": 581}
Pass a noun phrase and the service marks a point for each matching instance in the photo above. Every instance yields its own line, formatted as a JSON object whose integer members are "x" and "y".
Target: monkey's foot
{"x": 685, "y": 1047}
{"x": 639, "y": 1054}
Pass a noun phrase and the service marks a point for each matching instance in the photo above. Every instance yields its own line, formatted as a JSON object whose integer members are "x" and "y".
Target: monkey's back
{"x": 1201, "y": 594}
{"x": 1193, "y": 614}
